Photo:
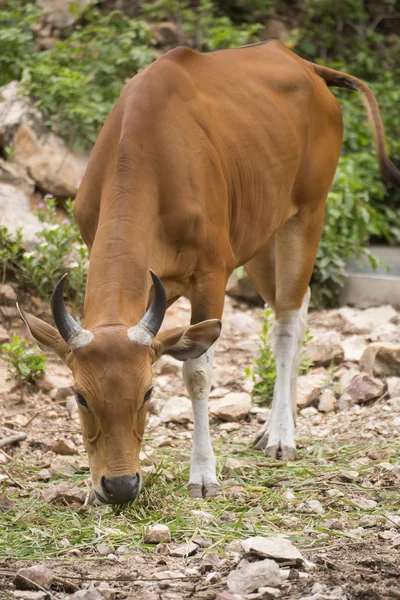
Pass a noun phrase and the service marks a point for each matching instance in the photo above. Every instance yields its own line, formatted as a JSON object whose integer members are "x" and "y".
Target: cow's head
{"x": 112, "y": 370}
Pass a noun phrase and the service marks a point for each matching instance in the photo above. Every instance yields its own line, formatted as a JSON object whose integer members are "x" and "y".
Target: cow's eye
{"x": 81, "y": 400}
{"x": 148, "y": 394}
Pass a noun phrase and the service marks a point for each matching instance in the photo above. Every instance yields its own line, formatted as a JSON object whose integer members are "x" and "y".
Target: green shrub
{"x": 209, "y": 29}
{"x": 24, "y": 365}
{"x": 76, "y": 83}
{"x": 60, "y": 249}
{"x": 17, "y": 40}
{"x": 263, "y": 372}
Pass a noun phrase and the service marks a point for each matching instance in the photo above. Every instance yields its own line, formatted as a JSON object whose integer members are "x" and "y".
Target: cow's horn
{"x": 154, "y": 317}
{"x": 69, "y": 329}
{"x": 144, "y": 332}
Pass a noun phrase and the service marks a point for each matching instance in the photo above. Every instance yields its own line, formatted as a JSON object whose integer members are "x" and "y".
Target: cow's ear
{"x": 45, "y": 335}
{"x": 187, "y": 342}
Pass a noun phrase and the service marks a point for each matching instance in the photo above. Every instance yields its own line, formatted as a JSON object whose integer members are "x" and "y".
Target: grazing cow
{"x": 207, "y": 162}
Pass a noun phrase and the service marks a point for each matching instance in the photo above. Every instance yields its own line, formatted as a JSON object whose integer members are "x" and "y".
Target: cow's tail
{"x": 337, "y": 79}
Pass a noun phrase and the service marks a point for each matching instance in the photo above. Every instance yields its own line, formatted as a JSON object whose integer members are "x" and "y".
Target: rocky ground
{"x": 338, "y": 504}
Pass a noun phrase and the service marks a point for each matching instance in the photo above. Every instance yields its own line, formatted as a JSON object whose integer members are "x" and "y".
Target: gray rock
{"x": 363, "y": 321}
{"x": 363, "y": 387}
{"x": 276, "y": 547}
{"x": 252, "y": 576}
{"x": 90, "y": 594}
{"x": 381, "y": 359}
{"x": 387, "y": 332}
{"x": 183, "y": 550}
{"x": 234, "y": 407}
{"x": 30, "y": 578}
{"x": 309, "y": 387}
{"x": 325, "y": 348}
{"x": 27, "y": 595}
{"x": 15, "y": 213}
{"x": 393, "y": 386}
{"x": 327, "y": 401}
{"x": 353, "y": 347}
{"x": 63, "y": 493}
{"x": 157, "y": 534}
{"x": 177, "y": 410}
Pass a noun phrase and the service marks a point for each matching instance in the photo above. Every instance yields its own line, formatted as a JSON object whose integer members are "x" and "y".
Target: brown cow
{"x": 207, "y": 162}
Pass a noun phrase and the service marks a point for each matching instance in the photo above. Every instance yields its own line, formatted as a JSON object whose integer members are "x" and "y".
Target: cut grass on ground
{"x": 252, "y": 502}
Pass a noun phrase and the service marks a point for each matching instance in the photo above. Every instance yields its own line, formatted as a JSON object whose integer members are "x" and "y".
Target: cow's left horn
{"x": 154, "y": 316}
{"x": 69, "y": 329}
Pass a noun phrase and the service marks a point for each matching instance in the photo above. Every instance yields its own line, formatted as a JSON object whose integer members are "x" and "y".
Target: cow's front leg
{"x": 197, "y": 375}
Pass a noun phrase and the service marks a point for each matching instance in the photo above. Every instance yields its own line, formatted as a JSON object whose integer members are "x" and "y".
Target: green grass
{"x": 34, "y": 529}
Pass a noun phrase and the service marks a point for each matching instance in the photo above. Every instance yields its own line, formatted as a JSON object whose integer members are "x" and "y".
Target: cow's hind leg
{"x": 295, "y": 248}
{"x": 207, "y": 300}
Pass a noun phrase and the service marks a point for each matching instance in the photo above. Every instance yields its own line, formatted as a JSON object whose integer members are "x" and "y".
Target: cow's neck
{"x": 123, "y": 251}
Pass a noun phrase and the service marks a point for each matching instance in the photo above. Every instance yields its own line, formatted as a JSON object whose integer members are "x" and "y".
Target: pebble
{"x": 63, "y": 493}
{"x": 367, "y": 521}
{"x": 90, "y": 594}
{"x": 327, "y": 401}
{"x": 64, "y": 447}
{"x": 183, "y": 550}
{"x": 364, "y": 503}
{"x": 311, "y": 506}
{"x": 39, "y": 574}
{"x": 276, "y": 547}
{"x": 157, "y": 533}
{"x": 234, "y": 407}
{"x": 251, "y": 576}
{"x": 349, "y": 475}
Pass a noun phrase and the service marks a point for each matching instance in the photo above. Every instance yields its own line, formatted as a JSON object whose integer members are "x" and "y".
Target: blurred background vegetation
{"x": 75, "y": 74}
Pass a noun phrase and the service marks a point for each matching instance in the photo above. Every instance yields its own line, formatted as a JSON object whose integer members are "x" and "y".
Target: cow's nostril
{"x": 118, "y": 490}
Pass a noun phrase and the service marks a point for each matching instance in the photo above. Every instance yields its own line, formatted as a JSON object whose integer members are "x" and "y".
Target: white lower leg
{"x": 302, "y": 327}
{"x": 197, "y": 376}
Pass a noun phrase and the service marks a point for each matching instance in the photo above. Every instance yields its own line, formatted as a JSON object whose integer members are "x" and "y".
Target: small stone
{"x": 364, "y": 503}
{"x": 276, "y": 547}
{"x": 309, "y": 387}
{"x": 234, "y": 407}
{"x": 177, "y": 410}
{"x": 30, "y": 578}
{"x": 349, "y": 475}
{"x": 183, "y": 550}
{"x": 64, "y": 447}
{"x": 334, "y": 493}
{"x": 104, "y": 549}
{"x": 393, "y": 386}
{"x": 167, "y": 575}
{"x": 336, "y": 524}
{"x": 202, "y": 542}
{"x": 288, "y": 496}
{"x": 311, "y": 506}
{"x": 376, "y": 453}
{"x": 210, "y": 562}
{"x": 63, "y": 493}
{"x": 367, "y": 521}
{"x": 6, "y": 503}
{"x": 4, "y": 335}
{"x": 363, "y": 387}
{"x": 396, "y": 542}
{"x": 327, "y": 401}
{"x": 353, "y": 347}
{"x": 252, "y": 576}
{"x": 90, "y": 594}
{"x": 213, "y": 577}
{"x": 363, "y": 321}
{"x": 27, "y": 595}
{"x": 157, "y": 533}
{"x": 345, "y": 402}
{"x": 324, "y": 349}
{"x": 387, "y": 332}
{"x": 309, "y": 411}
{"x": 381, "y": 359}
{"x": 7, "y": 294}
{"x": 202, "y": 517}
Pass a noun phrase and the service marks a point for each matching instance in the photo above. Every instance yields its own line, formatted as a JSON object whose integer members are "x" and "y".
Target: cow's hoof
{"x": 207, "y": 490}
{"x": 281, "y": 452}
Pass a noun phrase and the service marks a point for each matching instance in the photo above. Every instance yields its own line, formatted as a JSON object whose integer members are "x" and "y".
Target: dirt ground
{"x": 348, "y": 462}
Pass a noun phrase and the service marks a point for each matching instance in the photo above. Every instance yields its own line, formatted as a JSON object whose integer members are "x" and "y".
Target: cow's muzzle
{"x": 119, "y": 490}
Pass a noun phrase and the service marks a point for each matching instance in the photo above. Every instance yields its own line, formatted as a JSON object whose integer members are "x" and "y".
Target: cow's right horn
{"x": 69, "y": 329}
